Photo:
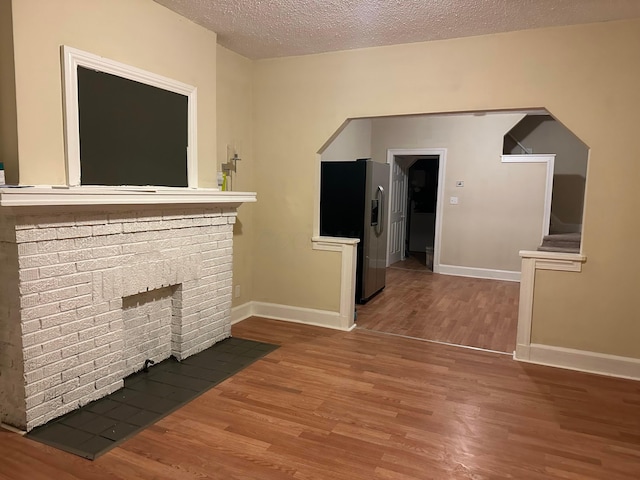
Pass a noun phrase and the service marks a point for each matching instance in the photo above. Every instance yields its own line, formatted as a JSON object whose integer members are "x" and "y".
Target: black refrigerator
{"x": 353, "y": 204}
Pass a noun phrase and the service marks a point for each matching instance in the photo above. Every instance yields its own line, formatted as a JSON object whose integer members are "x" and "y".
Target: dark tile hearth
{"x": 147, "y": 397}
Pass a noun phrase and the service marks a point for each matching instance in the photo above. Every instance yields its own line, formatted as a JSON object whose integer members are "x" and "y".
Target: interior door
{"x": 397, "y": 209}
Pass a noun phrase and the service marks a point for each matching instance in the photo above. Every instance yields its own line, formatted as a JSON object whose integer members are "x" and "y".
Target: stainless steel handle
{"x": 380, "y": 199}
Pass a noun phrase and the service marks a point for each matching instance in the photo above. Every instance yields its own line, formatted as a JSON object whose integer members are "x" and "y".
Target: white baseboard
{"x": 580, "y": 360}
{"x": 307, "y": 316}
{"x": 13, "y": 429}
{"x": 507, "y": 275}
{"x": 240, "y": 312}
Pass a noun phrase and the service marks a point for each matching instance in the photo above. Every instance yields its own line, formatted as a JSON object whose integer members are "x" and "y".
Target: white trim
{"x": 532, "y": 261}
{"x": 549, "y": 159}
{"x": 442, "y": 166}
{"x": 62, "y": 196}
{"x": 316, "y": 197}
{"x": 241, "y": 312}
{"x": 332, "y": 244}
{"x": 349, "y": 256}
{"x": 72, "y": 58}
{"x": 12, "y": 429}
{"x": 580, "y": 360}
{"x": 507, "y": 275}
{"x": 288, "y": 313}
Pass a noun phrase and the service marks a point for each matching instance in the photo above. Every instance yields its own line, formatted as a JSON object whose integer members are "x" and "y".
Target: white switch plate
{"x": 453, "y": 200}
{"x": 459, "y": 183}
{"x": 237, "y": 291}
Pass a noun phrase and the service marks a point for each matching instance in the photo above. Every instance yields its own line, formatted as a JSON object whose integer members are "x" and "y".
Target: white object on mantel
{"x": 64, "y": 196}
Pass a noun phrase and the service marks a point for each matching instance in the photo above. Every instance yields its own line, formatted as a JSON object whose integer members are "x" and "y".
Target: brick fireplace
{"x": 95, "y": 282}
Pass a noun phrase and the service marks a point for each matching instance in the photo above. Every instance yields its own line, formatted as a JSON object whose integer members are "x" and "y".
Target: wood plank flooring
{"x": 359, "y": 406}
{"x": 463, "y": 311}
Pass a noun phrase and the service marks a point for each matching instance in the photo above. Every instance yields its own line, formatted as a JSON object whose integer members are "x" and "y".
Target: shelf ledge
{"x": 26, "y": 196}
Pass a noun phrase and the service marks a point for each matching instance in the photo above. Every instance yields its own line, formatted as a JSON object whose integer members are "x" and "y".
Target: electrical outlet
{"x": 237, "y": 293}
{"x": 453, "y": 200}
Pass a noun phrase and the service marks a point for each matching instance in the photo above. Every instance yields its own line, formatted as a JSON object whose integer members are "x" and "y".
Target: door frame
{"x": 442, "y": 154}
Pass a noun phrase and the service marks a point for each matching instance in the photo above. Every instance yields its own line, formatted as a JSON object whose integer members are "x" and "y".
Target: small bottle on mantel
{"x": 221, "y": 180}
{"x": 2, "y": 181}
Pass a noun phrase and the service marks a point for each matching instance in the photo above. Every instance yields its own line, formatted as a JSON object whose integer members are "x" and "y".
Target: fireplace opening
{"x": 148, "y": 322}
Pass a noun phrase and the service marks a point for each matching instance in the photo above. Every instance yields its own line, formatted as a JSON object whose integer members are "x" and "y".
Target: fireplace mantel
{"x": 66, "y": 196}
{"x": 98, "y": 280}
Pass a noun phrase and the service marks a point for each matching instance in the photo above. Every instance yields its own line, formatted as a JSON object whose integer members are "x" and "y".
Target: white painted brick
{"x": 91, "y": 218}
{"x": 93, "y": 353}
{"x": 35, "y": 235}
{"x": 56, "y": 270}
{"x": 77, "y": 371}
{"x": 115, "y": 304}
{"x": 75, "y": 255}
{"x": 43, "y": 412}
{"x": 107, "y": 338}
{"x": 100, "y": 264}
{"x": 42, "y": 285}
{"x": 106, "y": 359}
{"x": 30, "y": 261}
{"x": 31, "y": 300}
{"x": 42, "y": 361}
{"x": 75, "y": 302}
{"x": 40, "y": 311}
{"x": 97, "y": 286}
{"x": 52, "y": 296}
{"x": 108, "y": 251}
{"x": 107, "y": 229}
{"x": 34, "y": 376}
{"x": 93, "y": 332}
{"x": 28, "y": 248}
{"x": 44, "y": 385}
{"x": 73, "y": 232}
{"x": 27, "y": 275}
{"x": 55, "y": 246}
{"x": 78, "y": 393}
{"x": 101, "y": 392}
{"x": 86, "y": 242}
{"x": 86, "y": 351}
{"x": 30, "y": 353}
{"x": 93, "y": 309}
{"x": 74, "y": 279}
{"x": 139, "y": 247}
{"x": 77, "y": 326}
{"x": 72, "y": 301}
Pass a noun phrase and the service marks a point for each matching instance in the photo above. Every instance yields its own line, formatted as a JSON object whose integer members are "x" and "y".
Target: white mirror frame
{"x": 73, "y": 58}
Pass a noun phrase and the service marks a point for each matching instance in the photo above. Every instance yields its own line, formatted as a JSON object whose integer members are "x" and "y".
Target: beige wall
{"x": 136, "y": 32}
{"x": 501, "y": 205}
{"x": 301, "y": 101}
{"x": 545, "y": 135}
{"x": 8, "y": 119}
{"x": 235, "y": 134}
{"x": 352, "y": 142}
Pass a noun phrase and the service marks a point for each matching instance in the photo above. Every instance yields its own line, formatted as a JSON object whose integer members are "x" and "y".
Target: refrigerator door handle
{"x": 380, "y": 201}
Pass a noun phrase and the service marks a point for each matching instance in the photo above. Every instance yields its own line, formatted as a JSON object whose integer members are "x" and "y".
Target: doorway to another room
{"x": 468, "y": 192}
{"x": 413, "y": 211}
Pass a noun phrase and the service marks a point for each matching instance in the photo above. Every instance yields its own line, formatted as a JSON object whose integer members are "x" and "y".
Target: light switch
{"x": 459, "y": 183}
{"x": 453, "y": 200}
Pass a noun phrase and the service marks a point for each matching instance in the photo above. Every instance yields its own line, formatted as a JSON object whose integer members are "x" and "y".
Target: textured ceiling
{"x": 276, "y": 28}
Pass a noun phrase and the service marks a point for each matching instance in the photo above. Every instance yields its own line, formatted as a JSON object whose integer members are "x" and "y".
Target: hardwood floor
{"x": 359, "y": 406}
{"x": 444, "y": 308}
